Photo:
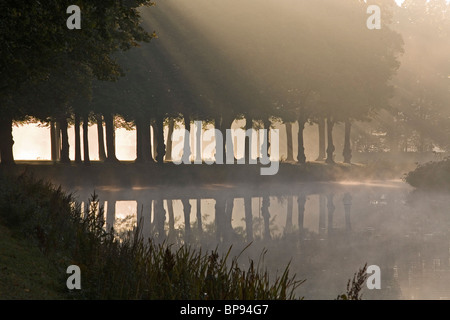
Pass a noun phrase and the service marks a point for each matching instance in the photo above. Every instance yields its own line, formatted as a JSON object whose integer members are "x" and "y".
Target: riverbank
{"x": 43, "y": 233}
{"x": 128, "y": 174}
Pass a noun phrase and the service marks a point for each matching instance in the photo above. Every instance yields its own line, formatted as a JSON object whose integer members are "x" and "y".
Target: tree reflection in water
{"x": 326, "y": 232}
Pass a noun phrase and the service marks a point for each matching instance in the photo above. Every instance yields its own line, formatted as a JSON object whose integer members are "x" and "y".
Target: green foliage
{"x": 38, "y": 210}
{"x": 26, "y": 273}
{"x": 45, "y": 61}
{"x": 47, "y": 70}
{"x": 295, "y": 70}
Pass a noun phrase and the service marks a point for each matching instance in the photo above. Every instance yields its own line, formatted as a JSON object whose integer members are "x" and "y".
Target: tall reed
{"x": 127, "y": 266}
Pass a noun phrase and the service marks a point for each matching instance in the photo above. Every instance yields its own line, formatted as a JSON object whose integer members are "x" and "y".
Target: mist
{"x": 362, "y": 113}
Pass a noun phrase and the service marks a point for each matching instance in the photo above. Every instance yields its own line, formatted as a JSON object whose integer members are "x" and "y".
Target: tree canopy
{"x": 262, "y": 61}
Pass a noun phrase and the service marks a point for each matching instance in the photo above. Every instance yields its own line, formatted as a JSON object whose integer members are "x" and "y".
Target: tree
{"x": 100, "y": 137}
{"x": 321, "y": 133}
{"x": 360, "y": 64}
{"x": 422, "y": 83}
{"x": 40, "y": 46}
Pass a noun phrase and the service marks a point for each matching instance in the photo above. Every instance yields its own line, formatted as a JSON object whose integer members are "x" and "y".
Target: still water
{"x": 326, "y": 231}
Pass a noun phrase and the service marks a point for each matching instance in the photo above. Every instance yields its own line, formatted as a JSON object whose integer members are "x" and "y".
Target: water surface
{"x": 326, "y": 231}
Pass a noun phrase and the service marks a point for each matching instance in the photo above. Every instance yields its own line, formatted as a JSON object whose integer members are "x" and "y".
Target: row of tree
{"x": 47, "y": 68}
{"x": 291, "y": 62}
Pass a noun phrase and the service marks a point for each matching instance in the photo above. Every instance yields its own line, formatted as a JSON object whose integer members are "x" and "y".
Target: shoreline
{"x": 131, "y": 174}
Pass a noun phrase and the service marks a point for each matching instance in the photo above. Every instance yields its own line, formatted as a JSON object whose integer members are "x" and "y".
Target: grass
{"x": 44, "y": 232}
{"x": 355, "y": 285}
{"x": 25, "y": 272}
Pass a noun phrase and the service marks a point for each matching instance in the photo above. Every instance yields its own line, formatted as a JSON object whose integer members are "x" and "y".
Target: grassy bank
{"x": 43, "y": 232}
{"x": 25, "y": 272}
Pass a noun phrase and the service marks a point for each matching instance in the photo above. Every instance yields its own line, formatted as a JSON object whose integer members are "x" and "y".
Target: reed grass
{"x": 355, "y": 285}
{"x": 126, "y": 266}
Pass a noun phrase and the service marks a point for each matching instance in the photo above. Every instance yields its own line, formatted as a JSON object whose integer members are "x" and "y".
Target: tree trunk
{"x": 110, "y": 138}
{"x": 289, "y": 141}
{"x": 227, "y": 146}
{"x": 159, "y": 133}
{"x": 393, "y": 141}
{"x": 218, "y": 126}
{"x": 64, "y": 140}
{"x": 77, "y": 138}
{"x": 169, "y": 140}
{"x": 321, "y": 127}
{"x": 229, "y": 143}
{"x": 265, "y": 147}
{"x": 248, "y": 141}
{"x": 58, "y": 140}
{"x": 143, "y": 141}
{"x": 301, "y": 157}
{"x": 198, "y": 159}
{"x": 101, "y": 139}
{"x": 154, "y": 142}
{"x": 258, "y": 145}
{"x": 147, "y": 142}
{"x": 139, "y": 138}
{"x": 87, "y": 159}
{"x": 187, "y": 140}
{"x": 6, "y": 141}
{"x": 347, "y": 152}
{"x": 54, "y": 145}
{"x": 330, "y": 148}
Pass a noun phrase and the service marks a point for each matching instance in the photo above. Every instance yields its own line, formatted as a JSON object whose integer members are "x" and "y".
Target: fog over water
{"x": 327, "y": 231}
